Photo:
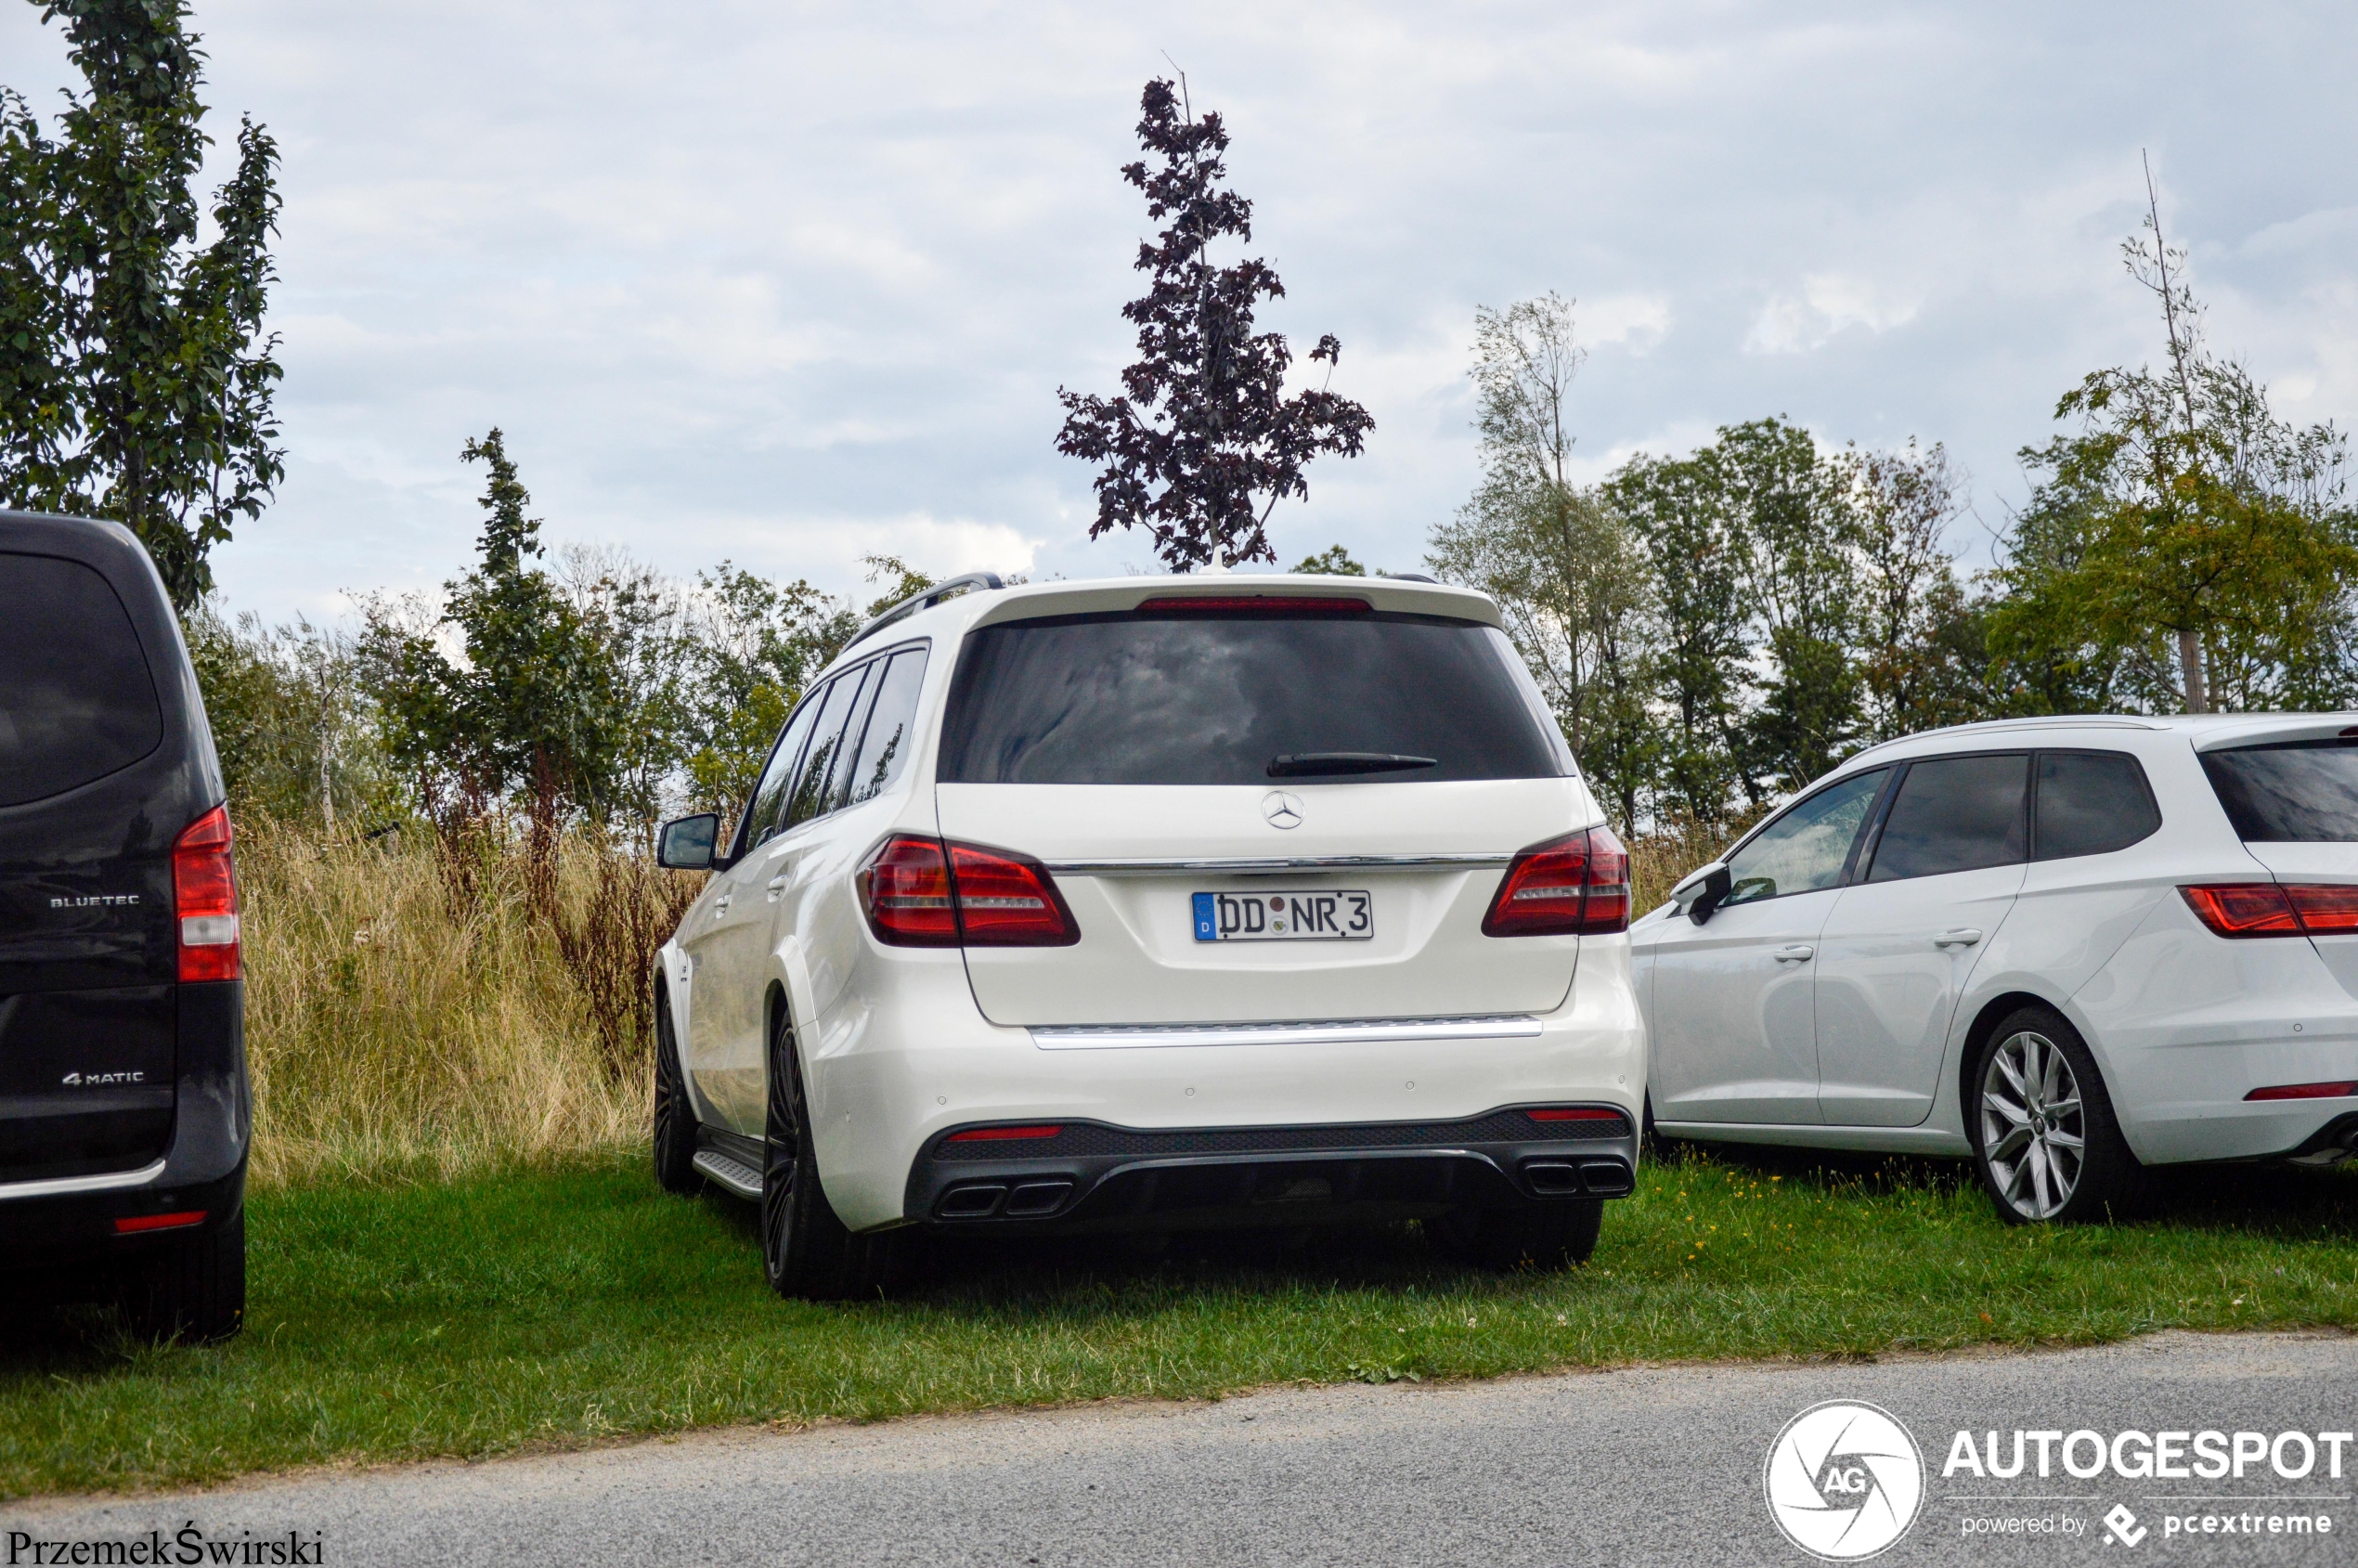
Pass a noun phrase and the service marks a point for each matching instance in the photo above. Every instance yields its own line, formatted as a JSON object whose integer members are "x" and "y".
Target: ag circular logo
{"x": 1844, "y": 1480}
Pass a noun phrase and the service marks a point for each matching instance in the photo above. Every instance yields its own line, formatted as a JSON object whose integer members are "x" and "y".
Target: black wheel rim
{"x": 668, "y": 1090}
{"x": 783, "y": 1154}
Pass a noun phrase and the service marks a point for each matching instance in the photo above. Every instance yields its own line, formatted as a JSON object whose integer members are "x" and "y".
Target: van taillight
{"x": 2272, "y": 909}
{"x": 997, "y": 899}
{"x": 1576, "y": 885}
{"x": 204, "y": 899}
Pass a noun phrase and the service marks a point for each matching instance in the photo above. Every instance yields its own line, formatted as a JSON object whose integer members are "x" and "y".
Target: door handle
{"x": 1963, "y": 936}
{"x": 1797, "y": 954}
{"x": 720, "y": 905}
{"x": 776, "y": 885}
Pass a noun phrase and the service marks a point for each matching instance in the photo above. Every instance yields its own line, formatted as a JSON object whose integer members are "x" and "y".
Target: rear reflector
{"x": 1001, "y": 1135}
{"x": 136, "y": 1223}
{"x": 2270, "y": 909}
{"x": 995, "y": 899}
{"x": 204, "y": 894}
{"x": 1576, "y": 885}
{"x": 1574, "y": 1113}
{"x": 2304, "y": 1092}
{"x": 1254, "y": 605}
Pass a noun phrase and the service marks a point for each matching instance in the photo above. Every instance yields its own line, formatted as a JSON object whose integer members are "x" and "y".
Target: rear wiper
{"x": 1294, "y": 764}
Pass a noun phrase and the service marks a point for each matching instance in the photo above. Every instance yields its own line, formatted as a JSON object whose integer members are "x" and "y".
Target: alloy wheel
{"x": 2034, "y": 1127}
{"x": 783, "y": 1157}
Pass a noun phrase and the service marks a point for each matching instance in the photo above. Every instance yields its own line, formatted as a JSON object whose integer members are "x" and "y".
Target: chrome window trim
{"x": 1277, "y": 866}
{"x": 57, "y": 1187}
{"x": 1098, "y": 1037}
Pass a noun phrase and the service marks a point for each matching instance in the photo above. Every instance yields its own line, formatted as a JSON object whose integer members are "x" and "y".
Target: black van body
{"x": 124, "y": 1107}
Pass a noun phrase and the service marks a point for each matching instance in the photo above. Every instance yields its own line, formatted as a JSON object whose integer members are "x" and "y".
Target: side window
{"x": 1956, "y": 814}
{"x": 883, "y": 750}
{"x": 765, "y": 809}
{"x": 810, "y": 780}
{"x": 1806, "y": 849}
{"x": 838, "y": 780}
{"x": 2091, "y": 803}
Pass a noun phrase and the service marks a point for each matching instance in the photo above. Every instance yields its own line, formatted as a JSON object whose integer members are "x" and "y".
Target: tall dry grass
{"x": 414, "y": 1008}
{"x": 417, "y": 1006}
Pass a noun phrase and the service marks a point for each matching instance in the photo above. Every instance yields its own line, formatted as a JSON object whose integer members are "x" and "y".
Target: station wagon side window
{"x": 2091, "y": 803}
{"x": 1807, "y": 848}
{"x": 1956, "y": 814}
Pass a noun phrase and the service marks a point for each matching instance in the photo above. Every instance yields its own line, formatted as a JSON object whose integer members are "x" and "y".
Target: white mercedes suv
{"x": 1150, "y": 905}
{"x": 2069, "y": 948}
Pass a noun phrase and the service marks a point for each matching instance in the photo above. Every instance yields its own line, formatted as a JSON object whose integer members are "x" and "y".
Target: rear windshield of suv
{"x": 1210, "y": 698}
{"x": 76, "y": 701}
{"x": 2294, "y": 792}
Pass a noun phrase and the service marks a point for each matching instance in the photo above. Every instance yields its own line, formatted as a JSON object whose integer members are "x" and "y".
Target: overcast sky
{"x": 792, "y": 285}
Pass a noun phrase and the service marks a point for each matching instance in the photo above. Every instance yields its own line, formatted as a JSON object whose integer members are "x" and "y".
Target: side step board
{"x": 732, "y": 1173}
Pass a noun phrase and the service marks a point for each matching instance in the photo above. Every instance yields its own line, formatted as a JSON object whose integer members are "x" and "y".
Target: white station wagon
{"x": 2070, "y": 948}
{"x": 1150, "y": 905}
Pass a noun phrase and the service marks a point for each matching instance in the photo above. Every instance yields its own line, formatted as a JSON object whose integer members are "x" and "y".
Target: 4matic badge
{"x": 1844, "y": 1480}
{"x": 99, "y": 1080}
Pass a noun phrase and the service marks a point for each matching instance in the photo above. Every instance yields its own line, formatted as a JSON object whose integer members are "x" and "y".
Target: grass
{"x": 557, "y": 1306}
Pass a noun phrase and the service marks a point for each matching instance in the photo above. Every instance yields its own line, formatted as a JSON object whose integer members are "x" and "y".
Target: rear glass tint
{"x": 1957, "y": 814}
{"x": 2300, "y": 792}
{"x": 2091, "y": 803}
{"x": 1217, "y": 699}
{"x": 76, "y": 700}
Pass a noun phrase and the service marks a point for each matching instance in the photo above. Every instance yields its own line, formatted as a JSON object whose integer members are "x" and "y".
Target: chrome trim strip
{"x": 57, "y": 1187}
{"x": 1098, "y": 1037}
{"x": 1274, "y": 866}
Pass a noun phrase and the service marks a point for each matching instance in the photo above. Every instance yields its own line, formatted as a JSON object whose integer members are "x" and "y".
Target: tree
{"x": 1921, "y": 644}
{"x": 134, "y": 380}
{"x": 2182, "y": 534}
{"x": 1332, "y": 562}
{"x": 1202, "y": 443}
{"x": 535, "y": 716}
{"x": 1561, "y": 565}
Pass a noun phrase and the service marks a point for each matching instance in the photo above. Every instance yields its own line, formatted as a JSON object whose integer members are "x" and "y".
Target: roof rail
{"x": 926, "y": 601}
{"x": 1408, "y": 577}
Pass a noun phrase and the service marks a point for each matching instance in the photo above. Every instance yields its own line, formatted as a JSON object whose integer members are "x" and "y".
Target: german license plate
{"x": 1326, "y": 916}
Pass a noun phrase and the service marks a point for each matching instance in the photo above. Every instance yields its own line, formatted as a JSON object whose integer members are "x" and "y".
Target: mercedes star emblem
{"x": 1282, "y": 809}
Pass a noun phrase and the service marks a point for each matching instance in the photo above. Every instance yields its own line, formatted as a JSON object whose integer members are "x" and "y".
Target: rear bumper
{"x": 893, "y": 1070}
{"x": 204, "y": 1168}
{"x": 1092, "y": 1176}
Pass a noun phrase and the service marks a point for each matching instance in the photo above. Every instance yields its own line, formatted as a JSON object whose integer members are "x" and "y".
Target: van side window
{"x": 883, "y": 750}
{"x": 2091, "y": 803}
{"x": 76, "y": 700}
{"x": 1956, "y": 814}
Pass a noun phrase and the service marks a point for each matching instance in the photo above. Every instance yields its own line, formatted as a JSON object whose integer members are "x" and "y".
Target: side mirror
{"x": 686, "y": 842}
{"x": 1703, "y": 892}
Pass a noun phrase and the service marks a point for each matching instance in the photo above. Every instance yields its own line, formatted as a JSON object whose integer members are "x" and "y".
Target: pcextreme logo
{"x": 1844, "y": 1480}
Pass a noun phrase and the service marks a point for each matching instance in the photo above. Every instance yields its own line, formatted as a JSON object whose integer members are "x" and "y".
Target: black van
{"x": 125, "y": 1111}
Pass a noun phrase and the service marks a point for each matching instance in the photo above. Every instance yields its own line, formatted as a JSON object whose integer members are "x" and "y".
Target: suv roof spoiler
{"x": 926, "y": 601}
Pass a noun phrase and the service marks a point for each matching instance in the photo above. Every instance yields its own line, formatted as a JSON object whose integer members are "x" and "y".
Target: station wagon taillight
{"x": 915, "y": 895}
{"x": 2275, "y": 909}
{"x": 1575, "y": 886}
{"x": 204, "y": 898}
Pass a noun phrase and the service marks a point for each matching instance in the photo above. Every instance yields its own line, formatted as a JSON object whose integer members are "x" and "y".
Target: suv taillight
{"x": 1576, "y": 885}
{"x": 2274, "y": 909}
{"x": 915, "y": 897}
{"x": 204, "y": 899}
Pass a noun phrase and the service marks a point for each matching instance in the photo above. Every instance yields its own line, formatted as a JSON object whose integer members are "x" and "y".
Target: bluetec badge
{"x": 1207, "y": 929}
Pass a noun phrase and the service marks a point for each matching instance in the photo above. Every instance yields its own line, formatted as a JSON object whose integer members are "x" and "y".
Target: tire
{"x": 2045, "y": 1139}
{"x": 190, "y": 1287}
{"x": 806, "y": 1250}
{"x": 1544, "y": 1235}
{"x": 675, "y": 1121}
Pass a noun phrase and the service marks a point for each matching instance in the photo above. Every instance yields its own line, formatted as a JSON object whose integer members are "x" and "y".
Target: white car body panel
{"x": 2183, "y": 1023}
{"x": 898, "y": 1044}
